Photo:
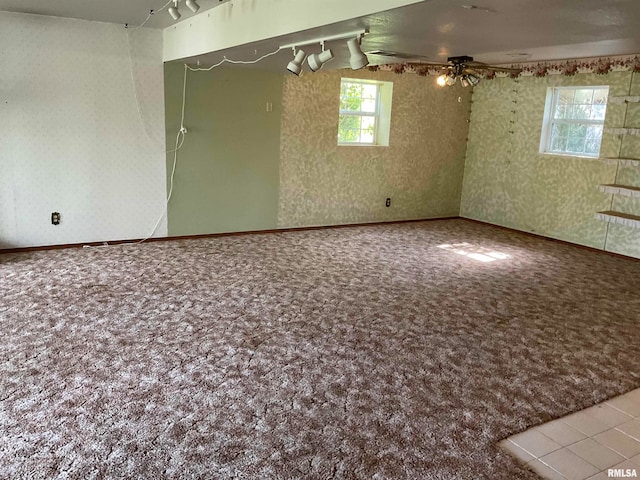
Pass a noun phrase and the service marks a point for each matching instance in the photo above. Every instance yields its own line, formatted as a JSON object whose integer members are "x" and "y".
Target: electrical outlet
{"x": 388, "y": 202}
{"x": 55, "y": 218}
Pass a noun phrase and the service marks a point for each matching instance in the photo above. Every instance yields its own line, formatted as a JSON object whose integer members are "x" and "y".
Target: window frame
{"x": 549, "y": 120}
{"x": 359, "y": 113}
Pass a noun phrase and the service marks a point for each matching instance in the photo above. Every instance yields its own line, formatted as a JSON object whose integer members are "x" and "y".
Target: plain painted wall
{"x": 73, "y": 138}
{"x": 226, "y": 176}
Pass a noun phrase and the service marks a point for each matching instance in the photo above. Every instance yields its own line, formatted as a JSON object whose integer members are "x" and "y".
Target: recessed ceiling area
{"x": 492, "y": 31}
{"x": 495, "y": 32}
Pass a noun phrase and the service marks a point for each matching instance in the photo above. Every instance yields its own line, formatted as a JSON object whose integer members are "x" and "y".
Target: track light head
{"x": 317, "y": 60}
{"x": 295, "y": 65}
{"x": 442, "y": 80}
{"x": 451, "y": 80}
{"x": 464, "y": 81}
{"x": 175, "y": 14}
{"x": 358, "y": 59}
{"x": 173, "y": 11}
{"x": 193, "y": 5}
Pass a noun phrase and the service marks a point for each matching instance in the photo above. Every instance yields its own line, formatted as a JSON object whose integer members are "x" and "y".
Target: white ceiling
{"x": 133, "y": 12}
{"x": 497, "y": 31}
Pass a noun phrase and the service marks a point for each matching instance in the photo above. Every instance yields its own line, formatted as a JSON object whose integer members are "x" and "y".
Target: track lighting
{"x": 173, "y": 11}
{"x": 317, "y": 60}
{"x": 464, "y": 81}
{"x": 295, "y": 65}
{"x": 442, "y": 80}
{"x": 358, "y": 59}
{"x": 193, "y": 5}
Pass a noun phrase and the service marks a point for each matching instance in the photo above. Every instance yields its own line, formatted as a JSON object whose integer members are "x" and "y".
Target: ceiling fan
{"x": 463, "y": 68}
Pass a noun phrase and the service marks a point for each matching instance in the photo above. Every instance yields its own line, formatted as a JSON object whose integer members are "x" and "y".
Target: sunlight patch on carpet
{"x": 482, "y": 254}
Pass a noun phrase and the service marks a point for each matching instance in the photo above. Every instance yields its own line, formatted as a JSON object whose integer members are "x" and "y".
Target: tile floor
{"x": 586, "y": 444}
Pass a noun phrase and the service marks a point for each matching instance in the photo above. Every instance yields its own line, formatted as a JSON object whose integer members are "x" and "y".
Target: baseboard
{"x": 214, "y": 235}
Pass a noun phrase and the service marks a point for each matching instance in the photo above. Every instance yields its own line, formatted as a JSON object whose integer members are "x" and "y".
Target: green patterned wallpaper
{"x": 623, "y": 239}
{"x": 322, "y": 183}
{"x": 508, "y": 182}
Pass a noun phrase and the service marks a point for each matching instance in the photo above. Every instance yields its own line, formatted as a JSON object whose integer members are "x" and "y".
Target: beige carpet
{"x": 357, "y": 353}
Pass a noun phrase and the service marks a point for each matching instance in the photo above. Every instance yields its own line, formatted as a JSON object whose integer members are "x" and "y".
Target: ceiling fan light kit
{"x": 473, "y": 79}
{"x": 464, "y": 69}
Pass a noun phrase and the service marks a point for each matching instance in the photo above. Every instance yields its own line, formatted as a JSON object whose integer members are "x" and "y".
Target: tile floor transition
{"x": 585, "y": 444}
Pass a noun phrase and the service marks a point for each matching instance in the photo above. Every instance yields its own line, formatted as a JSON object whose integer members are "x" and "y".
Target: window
{"x": 574, "y": 120}
{"x": 365, "y": 108}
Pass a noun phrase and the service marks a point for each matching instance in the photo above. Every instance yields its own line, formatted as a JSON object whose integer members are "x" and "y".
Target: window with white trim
{"x": 574, "y": 121}
{"x": 365, "y": 108}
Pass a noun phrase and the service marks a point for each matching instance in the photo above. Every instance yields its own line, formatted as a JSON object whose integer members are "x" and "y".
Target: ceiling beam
{"x": 239, "y": 22}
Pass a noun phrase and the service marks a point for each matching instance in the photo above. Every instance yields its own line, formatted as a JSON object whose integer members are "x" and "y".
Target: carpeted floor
{"x": 354, "y": 353}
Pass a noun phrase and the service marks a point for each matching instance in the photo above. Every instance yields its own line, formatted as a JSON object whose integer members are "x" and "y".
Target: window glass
{"x": 574, "y": 119}
{"x": 359, "y": 110}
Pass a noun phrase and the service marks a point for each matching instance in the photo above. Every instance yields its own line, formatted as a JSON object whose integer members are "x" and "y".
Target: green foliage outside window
{"x": 577, "y": 120}
{"x": 358, "y": 112}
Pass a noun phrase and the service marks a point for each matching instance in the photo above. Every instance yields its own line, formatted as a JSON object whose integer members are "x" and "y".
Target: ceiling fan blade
{"x": 470, "y": 67}
{"x": 503, "y": 69}
{"x": 476, "y": 64}
{"x": 429, "y": 65}
{"x": 495, "y": 68}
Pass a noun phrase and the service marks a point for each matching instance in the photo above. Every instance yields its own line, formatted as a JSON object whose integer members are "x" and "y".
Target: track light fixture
{"x": 191, "y": 4}
{"x": 173, "y": 11}
{"x": 317, "y": 60}
{"x": 358, "y": 59}
{"x": 295, "y": 65}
